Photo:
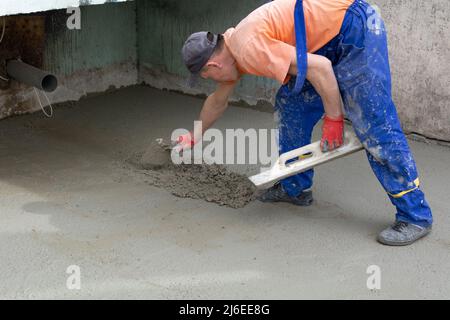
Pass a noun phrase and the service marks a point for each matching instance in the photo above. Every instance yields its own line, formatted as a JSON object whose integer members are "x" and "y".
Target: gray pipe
{"x": 32, "y": 76}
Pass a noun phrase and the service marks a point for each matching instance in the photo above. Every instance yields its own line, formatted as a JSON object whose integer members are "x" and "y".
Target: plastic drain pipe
{"x": 32, "y": 76}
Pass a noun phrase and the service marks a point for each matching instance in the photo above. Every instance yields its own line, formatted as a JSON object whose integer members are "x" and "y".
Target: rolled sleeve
{"x": 268, "y": 57}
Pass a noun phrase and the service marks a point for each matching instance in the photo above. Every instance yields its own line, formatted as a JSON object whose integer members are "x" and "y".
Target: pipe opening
{"x": 31, "y": 76}
{"x": 49, "y": 83}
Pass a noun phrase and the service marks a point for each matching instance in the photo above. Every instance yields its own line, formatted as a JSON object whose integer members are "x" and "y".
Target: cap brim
{"x": 193, "y": 80}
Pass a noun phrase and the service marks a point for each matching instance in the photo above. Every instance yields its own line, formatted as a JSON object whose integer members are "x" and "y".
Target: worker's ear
{"x": 214, "y": 64}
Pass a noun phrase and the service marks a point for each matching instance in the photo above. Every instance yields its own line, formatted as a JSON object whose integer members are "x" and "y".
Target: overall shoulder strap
{"x": 300, "y": 41}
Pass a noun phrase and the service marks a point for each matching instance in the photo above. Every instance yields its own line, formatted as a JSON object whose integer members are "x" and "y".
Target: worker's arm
{"x": 216, "y": 104}
{"x": 213, "y": 107}
{"x": 321, "y": 75}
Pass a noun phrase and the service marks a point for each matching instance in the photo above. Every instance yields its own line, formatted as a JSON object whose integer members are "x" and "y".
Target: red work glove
{"x": 332, "y": 133}
{"x": 185, "y": 142}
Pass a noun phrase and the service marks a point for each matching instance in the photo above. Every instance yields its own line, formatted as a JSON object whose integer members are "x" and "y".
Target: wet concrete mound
{"x": 212, "y": 183}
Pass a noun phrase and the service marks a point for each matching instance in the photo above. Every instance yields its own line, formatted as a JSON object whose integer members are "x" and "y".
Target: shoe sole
{"x": 293, "y": 203}
{"x": 401, "y": 244}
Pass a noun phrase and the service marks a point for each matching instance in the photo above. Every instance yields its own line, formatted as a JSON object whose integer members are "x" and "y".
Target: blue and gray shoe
{"x": 402, "y": 234}
{"x": 277, "y": 194}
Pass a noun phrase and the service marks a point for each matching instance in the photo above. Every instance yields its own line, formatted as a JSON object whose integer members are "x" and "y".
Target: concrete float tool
{"x": 307, "y": 157}
{"x": 157, "y": 155}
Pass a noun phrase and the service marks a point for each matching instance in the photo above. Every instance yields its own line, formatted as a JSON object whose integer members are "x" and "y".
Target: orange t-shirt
{"x": 263, "y": 43}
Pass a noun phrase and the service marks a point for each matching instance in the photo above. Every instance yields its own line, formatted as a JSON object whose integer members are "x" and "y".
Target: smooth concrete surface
{"x": 69, "y": 197}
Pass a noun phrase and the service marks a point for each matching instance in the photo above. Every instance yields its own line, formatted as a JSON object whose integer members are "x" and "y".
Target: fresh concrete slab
{"x": 69, "y": 196}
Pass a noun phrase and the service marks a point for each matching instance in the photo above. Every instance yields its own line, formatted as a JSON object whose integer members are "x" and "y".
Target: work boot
{"x": 402, "y": 233}
{"x": 277, "y": 194}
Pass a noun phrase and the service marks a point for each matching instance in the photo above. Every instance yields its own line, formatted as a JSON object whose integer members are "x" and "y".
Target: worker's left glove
{"x": 332, "y": 133}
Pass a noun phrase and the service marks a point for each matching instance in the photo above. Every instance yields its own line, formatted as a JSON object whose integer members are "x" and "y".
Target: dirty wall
{"x": 98, "y": 56}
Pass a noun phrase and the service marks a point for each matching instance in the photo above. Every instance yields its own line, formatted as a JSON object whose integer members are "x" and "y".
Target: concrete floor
{"x": 70, "y": 198}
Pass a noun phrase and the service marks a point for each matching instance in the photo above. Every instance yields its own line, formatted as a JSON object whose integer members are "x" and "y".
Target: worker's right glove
{"x": 184, "y": 142}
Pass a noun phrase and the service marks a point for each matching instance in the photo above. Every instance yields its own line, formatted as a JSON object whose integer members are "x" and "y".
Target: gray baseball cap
{"x": 196, "y": 51}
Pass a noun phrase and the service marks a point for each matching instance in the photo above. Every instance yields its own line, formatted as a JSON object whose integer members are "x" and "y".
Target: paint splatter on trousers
{"x": 360, "y": 61}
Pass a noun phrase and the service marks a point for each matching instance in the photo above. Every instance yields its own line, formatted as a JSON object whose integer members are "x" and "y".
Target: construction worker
{"x": 320, "y": 51}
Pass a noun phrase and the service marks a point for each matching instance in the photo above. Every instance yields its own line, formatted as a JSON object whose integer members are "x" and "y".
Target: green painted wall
{"x": 145, "y": 32}
{"x": 164, "y": 25}
{"x": 107, "y": 37}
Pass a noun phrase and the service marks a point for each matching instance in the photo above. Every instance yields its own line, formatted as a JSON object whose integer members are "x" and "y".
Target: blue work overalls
{"x": 359, "y": 57}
